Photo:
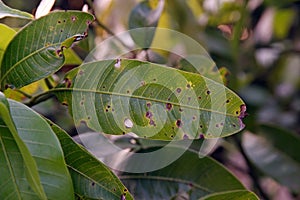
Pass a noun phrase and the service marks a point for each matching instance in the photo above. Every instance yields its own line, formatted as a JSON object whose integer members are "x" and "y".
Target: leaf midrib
{"x": 140, "y": 98}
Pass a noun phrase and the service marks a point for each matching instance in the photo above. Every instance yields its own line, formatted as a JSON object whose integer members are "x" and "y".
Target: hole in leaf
{"x": 208, "y": 92}
{"x": 118, "y": 64}
{"x": 73, "y": 18}
{"x": 227, "y": 101}
{"x": 185, "y": 137}
{"x": 178, "y": 90}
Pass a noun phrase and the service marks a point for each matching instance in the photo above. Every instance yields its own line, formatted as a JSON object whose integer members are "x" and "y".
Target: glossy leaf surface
{"x": 189, "y": 177}
{"x": 275, "y": 152}
{"x": 45, "y": 152}
{"x": 36, "y": 51}
{"x": 91, "y": 178}
{"x": 153, "y": 101}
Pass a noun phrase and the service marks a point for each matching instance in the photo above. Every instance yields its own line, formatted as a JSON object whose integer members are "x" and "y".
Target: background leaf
{"x": 6, "y": 11}
{"x": 275, "y": 152}
{"x": 45, "y": 150}
{"x": 232, "y": 195}
{"x": 7, "y": 35}
{"x": 91, "y": 178}
{"x": 189, "y": 177}
{"x": 30, "y": 167}
{"x": 150, "y": 100}
{"x": 38, "y": 47}
{"x": 145, "y": 14}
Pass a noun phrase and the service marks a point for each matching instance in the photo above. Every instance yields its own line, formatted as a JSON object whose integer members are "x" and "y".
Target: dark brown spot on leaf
{"x": 152, "y": 123}
{"x": 169, "y": 106}
{"x": 208, "y": 92}
{"x": 178, "y": 123}
{"x": 148, "y": 105}
{"x": 149, "y": 114}
{"x": 178, "y": 90}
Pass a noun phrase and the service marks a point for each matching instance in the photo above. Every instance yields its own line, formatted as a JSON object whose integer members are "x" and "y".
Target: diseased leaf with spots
{"x": 150, "y": 100}
{"x": 39, "y": 47}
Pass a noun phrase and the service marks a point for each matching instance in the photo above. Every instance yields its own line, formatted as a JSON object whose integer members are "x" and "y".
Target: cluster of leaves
{"x": 41, "y": 161}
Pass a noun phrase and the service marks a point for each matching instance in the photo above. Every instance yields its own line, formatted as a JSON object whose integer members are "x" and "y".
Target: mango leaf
{"x": 275, "y": 152}
{"x": 144, "y": 17}
{"x": 30, "y": 167}
{"x": 189, "y": 177}
{"x": 7, "y": 35}
{"x": 207, "y": 68}
{"x": 37, "y": 50}
{"x": 91, "y": 178}
{"x": 6, "y": 11}
{"x": 44, "y": 151}
{"x": 232, "y": 195}
{"x": 153, "y": 101}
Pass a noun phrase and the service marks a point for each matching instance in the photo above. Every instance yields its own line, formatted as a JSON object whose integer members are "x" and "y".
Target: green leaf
{"x": 145, "y": 16}
{"x": 30, "y": 167}
{"x": 232, "y": 195}
{"x": 37, "y": 50}
{"x": 7, "y": 35}
{"x": 276, "y": 153}
{"x": 207, "y": 68}
{"x": 153, "y": 101}
{"x": 6, "y": 11}
{"x": 91, "y": 178}
{"x": 189, "y": 177}
{"x": 39, "y": 155}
